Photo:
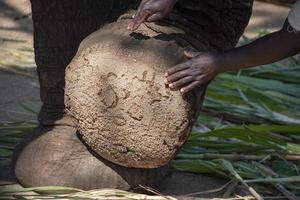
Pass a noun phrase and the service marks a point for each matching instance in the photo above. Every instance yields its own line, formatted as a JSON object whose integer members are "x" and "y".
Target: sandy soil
{"x": 19, "y": 85}
{"x": 16, "y": 57}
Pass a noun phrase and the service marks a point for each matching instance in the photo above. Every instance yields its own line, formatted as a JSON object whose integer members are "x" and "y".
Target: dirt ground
{"x": 17, "y": 58}
{"x": 19, "y": 84}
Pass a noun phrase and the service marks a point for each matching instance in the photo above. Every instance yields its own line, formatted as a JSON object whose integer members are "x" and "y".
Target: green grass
{"x": 252, "y": 120}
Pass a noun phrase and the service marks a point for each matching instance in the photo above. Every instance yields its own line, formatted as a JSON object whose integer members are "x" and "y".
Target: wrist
{"x": 218, "y": 62}
{"x": 226, "y": 62}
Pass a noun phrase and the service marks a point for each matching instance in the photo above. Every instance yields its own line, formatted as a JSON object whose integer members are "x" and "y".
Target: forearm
{"x": 268, "y": 49}
{"x": 201, "y": 67}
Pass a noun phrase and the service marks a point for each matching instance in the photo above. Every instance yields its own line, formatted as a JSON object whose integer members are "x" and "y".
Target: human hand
{"x": 198, "y": 70}
{"x": 150, "y": 11}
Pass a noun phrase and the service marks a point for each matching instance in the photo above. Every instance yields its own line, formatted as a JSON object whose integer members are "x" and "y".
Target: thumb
{"x": 191, "y": 54}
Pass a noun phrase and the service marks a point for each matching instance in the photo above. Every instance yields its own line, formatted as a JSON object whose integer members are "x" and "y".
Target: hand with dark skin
{"x": 203, "y": 67}
{"x": 200, "y": 68}
{"x": 150, "y": 11}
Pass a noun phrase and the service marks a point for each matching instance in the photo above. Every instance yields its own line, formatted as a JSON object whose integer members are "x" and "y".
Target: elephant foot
{"x": 55, "y": 155}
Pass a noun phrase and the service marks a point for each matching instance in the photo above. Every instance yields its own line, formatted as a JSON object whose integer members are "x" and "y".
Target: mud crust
{"x": 115, "y": 91}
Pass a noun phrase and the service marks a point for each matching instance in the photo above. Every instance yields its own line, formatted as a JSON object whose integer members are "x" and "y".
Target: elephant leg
{"x": 54, "y": 154}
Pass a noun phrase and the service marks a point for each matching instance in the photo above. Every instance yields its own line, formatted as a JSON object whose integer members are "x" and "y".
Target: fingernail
{"x": 166, "y": 74}
{"x": 166, "y": 81}
{"x": 182, "y": 90}
{"x": 171, "y": 85}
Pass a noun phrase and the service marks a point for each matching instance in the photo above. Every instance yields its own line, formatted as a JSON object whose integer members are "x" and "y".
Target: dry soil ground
{"x": 19, "y": 84}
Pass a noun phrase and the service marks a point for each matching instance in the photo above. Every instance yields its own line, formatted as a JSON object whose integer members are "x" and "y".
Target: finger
{"x": 138, "y": 19}
{"x": 178, "y": 75}
{"x": 181, "y": 82}
{"x": 155, "y": 17}
{"x": 190, "y": 87}
{"x": 131, "y": 24}
{"x": 191, "y": 54}
{"x": 177, "y": 68}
